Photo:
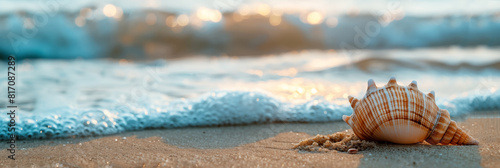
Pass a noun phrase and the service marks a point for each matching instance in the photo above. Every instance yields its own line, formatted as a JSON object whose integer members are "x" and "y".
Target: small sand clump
{"x": 339, "y": 141}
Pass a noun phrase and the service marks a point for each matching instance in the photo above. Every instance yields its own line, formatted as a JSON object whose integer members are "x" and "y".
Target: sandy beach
{"x": 249, "y": 83}
{"x": 266, "y": 145}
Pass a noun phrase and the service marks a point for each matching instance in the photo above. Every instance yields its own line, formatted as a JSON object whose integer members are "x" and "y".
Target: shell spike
{"x": 392, "y": 81}
{"x": 432, "y": 94}
{"x": 371, "y": 86}
{"x": 346, "y": 119}
{"x": 413, "y": 84}
{"x": 353, "y": 101}
{"x": 350, "y": 98}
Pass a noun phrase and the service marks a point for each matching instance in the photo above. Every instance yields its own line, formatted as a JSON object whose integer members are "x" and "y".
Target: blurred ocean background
{"x": 89, "y": 67}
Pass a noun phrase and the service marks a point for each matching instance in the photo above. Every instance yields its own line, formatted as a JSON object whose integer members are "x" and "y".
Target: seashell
{"x": 352, "y": 151}
{"x": 403, "y": 115}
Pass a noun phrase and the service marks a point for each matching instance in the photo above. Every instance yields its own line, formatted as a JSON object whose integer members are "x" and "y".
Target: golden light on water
{"x": 314, "y": 91}
{"x": 109, "y": 10}
{"x": 216, "y": 16}
{"x": 171, "y": 21}
{"x": 151, "y": 19}
{"x": 203, "y": 14}
{"x": 183, "y": 20}
{"x": 256, "y": 72}
{"x": 263, "y": 9}
{"x": 314, "y": 18}
{"x": 345, "y": 95}
{"x": 237, "y": 17}
{"x": 119, "y": 13}
{"x": 291, "y": 72}
{"x": 300, "y": 90}
{"x": 206, "y": 14}
{"x": 244, "y": 10}
{"x": 275, "y": 20}
{"x": 195, "y": 21}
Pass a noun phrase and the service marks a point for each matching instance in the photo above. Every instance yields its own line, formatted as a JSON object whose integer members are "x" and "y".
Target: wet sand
{"x": 268, "y": 145}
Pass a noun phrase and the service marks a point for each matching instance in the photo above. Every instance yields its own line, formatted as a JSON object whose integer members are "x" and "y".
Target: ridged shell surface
{"x": 404, "y": 115}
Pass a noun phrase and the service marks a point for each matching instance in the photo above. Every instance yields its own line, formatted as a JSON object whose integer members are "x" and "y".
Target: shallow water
{"x": 66, "y": 98}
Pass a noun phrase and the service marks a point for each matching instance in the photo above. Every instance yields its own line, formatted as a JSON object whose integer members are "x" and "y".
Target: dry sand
{"x": 276, "y": 151}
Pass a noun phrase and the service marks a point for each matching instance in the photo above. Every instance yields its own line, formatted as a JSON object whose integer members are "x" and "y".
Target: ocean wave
{"x": 120, "y": 38}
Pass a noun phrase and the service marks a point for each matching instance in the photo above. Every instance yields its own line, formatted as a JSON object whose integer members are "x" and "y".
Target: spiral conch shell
{"x": 403, "y": 115}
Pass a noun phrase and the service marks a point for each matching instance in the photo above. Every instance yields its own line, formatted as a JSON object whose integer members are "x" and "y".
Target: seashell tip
{"x": 392, "y": 81}
{"x": 472, "y": 142}
{"x": 371, "y": 86}
{"x": 346, "y": 119}
{"x": 413, "y": 84}
{"x": 432, "y": 94}
{"x": 350, "y": 98}
{"x": 353, "y": 101}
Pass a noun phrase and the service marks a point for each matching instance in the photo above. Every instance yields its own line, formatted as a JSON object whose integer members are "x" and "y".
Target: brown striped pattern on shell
{"x": 403, "y": 115}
